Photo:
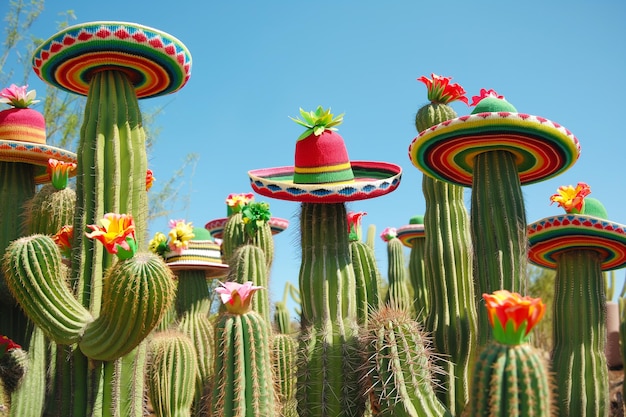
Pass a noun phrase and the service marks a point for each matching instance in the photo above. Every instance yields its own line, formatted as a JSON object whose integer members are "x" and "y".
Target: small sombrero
{"x": 323, "y": 172}
{"x": 23, "y": 139}
{"x": 550, "y": 237}
{"x": 542, "y": 149}
{"x": 203, "y": 253}
{"x": 216, "y": 226}
{"x": 156, "y": 63}
{"x": 414, "y": 230}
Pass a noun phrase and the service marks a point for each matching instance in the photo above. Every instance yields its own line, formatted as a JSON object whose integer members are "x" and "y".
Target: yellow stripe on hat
{"x": 323, "y": 168}
{"x": 22, "y": 133}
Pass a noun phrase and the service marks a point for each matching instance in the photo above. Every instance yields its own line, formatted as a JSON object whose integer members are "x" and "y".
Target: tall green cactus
{"x": 366, "y": 272}
{"x": 248, "y": 264}
{"x": 398, "y": 292}
{"x": 328, "y": 371}
{"x": 243, "y": 384}
{"x": 448, "y": 264}
{"x": 579, "y": 335}
{"x": 171, "y": 374}
{"x": 412, "y": 236}
{"x": 510, "y": 377}
{"x": 111, "y": 178}
{"x": 284, "y": 356}
{"x": 398, "y": 368}
{"x": 249, "y": 225}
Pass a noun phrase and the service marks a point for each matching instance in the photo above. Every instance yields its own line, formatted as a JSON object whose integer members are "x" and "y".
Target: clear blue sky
{"x": 256, "y": 63}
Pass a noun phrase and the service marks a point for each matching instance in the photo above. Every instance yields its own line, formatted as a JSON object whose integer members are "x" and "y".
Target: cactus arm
{"x": 367, "y": 277}
{"x": 32, "y": 267}
{"x": 139, "y": 290}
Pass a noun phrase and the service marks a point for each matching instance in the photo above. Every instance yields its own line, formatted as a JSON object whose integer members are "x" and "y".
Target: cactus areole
{"x": 323, "y": 172}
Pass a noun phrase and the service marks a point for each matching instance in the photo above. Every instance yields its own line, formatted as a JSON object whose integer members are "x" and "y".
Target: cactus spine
{"x": 328, "y": 371}
{"x": 398, "y": 367}
{"x": 579, "y": 333}
{"x": 171, "y": 374}
{"x": 448, "y": 271}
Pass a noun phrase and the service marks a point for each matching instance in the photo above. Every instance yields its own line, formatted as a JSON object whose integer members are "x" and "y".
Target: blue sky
{"x": 256, "y": 63}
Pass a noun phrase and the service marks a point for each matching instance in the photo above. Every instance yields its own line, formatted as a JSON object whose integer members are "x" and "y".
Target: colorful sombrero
{"x": 203, "y": 253}
{"x": 23, "y": 139}
{"x": 408, "y": 233}
{"x": 542, "y": 149}
{"x": 216, "y": 227}
{"x": 322, "y": 172}
{"x": 155, "y": 62}
{"x": 552, "y": 236}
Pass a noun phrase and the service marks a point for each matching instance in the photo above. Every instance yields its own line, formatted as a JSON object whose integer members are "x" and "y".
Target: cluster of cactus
{"x": 90, "y": 309}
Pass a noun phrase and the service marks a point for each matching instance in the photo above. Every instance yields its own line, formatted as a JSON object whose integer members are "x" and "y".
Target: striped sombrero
{"x": 156, "y": 63}
{"x": 542, "y": 149}
{"x": 552, "y": 236}
{"x": 414, "y": 230}
{"x": 216, "y": 226}
{"x": 203, "y": 253}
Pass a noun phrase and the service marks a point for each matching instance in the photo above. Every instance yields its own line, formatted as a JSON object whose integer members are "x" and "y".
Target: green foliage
{"x": 317, "y": 121}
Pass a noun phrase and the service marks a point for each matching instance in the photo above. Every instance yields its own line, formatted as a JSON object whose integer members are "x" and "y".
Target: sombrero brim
{"x": 552, "y": 236}
{"x": 35, "y": 154}
{"x": 216, "y": 227}
{"x": 212, "y": 270}
{"x": 371, "y": 179}
{"x": 542, "y": 148}
{"x": 407, "y": 234}
{"x": 155, "y": 62}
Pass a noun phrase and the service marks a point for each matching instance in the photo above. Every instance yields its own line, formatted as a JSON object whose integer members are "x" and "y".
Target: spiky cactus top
{"x": 510, "y": 377}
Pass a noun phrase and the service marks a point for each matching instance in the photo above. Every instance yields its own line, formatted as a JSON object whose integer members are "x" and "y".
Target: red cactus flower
{"x": 441, "y": 91}
{"x": 63, "y": 238}
{"x": 354, "y": 224}
{"x": 484, "y": 94}
{"x": 149, "y": 179}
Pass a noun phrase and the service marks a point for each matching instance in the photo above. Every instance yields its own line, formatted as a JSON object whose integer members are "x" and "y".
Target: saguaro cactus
{"x": 448, "y": 258}
{"x": 127, "y": 62}
{"x": 579, "y": 247}
{"x": 398, "y": 293}
{"x": 323, "y": 179}
{"x": 243, "y": 384}
{"x": 510, "y": 377}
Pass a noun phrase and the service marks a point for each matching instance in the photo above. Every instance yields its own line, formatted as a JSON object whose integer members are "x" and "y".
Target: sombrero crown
{"x": 322, "y": 172}
{"x": 321, "y": 155}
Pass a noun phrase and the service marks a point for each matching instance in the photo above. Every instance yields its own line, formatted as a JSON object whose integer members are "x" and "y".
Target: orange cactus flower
{"x": 237, "y": 297}
{"x": 149, "y": 179}
{"x": 63, "y": 238}
{"x": 59, "y": 172}
{"x": 570, "y": 198}
{"x": 513, "y": 316}
{"x": 117, "y": 234}
{"x": 441, "y": 91}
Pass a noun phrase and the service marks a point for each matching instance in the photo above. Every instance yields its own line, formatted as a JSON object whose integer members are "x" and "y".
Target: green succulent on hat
{"x": 317, "y": 121}
{"x": 254, "y": 215}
